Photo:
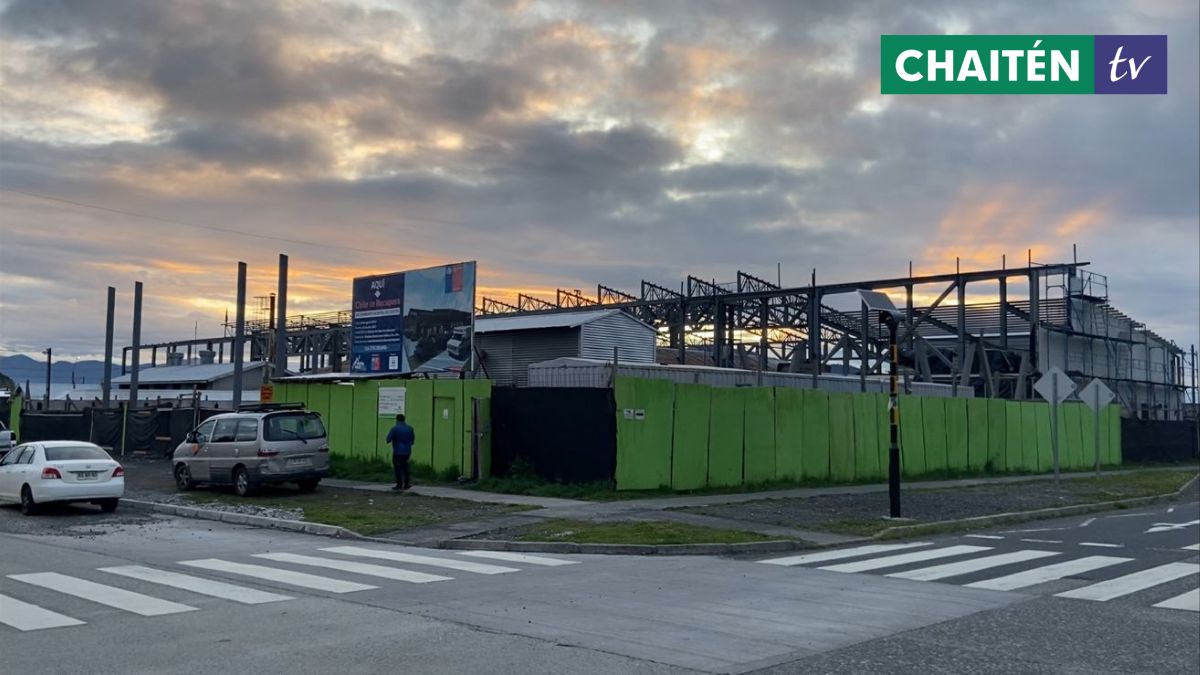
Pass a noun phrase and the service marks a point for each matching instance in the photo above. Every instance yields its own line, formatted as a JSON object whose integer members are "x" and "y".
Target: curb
{"x": 1038, "y": 514}
{"x": 243, "y": 519}
{"x": 621, "y": 549}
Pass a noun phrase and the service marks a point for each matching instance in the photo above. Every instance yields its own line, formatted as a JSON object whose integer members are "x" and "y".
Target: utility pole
{"x": 135, "y": 360}
{"x": 281, "y": 345}
{"x": 239, "y": 335}
{"x": 49, "y": 353}
{"x": 106, "y": 387}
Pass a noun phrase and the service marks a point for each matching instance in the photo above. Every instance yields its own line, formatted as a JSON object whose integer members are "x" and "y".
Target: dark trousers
{"x": 400, "y": 464}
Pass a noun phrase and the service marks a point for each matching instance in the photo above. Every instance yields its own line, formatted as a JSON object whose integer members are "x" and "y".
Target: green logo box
{"x": 986, "y": 64}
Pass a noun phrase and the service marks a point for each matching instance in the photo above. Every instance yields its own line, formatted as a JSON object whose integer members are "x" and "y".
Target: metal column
{"x": 281, "y": 343}
{"x": 137, "y": 343}
{"x": 106, "y": 377}
{"x": 239, "y": 335}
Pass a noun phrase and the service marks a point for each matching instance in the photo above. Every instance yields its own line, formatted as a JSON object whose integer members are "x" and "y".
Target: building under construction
{"x": 987, "y": 333}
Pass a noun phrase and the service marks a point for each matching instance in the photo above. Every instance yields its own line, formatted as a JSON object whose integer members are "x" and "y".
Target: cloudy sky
{"x": 561, "y": 144}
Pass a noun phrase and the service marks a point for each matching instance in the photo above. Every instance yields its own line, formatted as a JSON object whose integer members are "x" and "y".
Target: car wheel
{"x": 241, "y": 482}
{"x": 109, "y": 505}
{"x": 28, "y": 506}
{"x": 308, "y": 485}
{"x": 183, "y": 478}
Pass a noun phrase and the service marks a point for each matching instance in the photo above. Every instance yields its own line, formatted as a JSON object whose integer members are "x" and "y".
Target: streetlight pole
{"x": 889, "y": 320}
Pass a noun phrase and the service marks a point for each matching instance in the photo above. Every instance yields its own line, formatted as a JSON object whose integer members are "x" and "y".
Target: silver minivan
{"x": 254, "y": 447}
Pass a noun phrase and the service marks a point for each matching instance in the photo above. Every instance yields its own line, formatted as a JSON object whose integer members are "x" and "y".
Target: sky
{"x": 560, "y": 144}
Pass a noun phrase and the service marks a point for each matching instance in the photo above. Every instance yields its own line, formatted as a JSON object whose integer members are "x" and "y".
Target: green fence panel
{"x": 1087, "y": 427}
{"x": 1045, "y": 449}
{"x": 934, "y": 415}
{"x": 689, "y": 448}
{"x": 340, "y": 421}
{"x": 789, "y": 432}
{"x": 366, "y": 441}
{"x": 996, "y": 409}
{"x": 644, "y": 435}
{"x": 280, "y": 392}
{"x": 957, "y": 453}
{"x": 912, "y": 435}
{"x": 841, "y": 437}
{"x": 318, "y": 398}
{"x": 815, "y": 461}
{"x": 1014, "y": 436}
{"x": 759, "y": 435}
{"x": 1113, "y": 413}
{"x": 866, "y": 438}
{"x": 14, "y": 416}
{"x": 418, "y": 413}
{"x": 977, "y": 434}
{"x": 447, "y": 419}
{"x": 1029, "y": 435}
{"x": 1073, "y": 419}
{"x": 474, "y": 389}
{"x": 726, "y": 437}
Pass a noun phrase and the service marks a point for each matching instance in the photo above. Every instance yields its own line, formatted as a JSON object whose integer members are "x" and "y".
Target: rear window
{"x": 74, "y": 452}
{"x": 290, "y": 426}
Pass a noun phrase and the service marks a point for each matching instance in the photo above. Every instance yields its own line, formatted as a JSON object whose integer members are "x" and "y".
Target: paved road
{"x": 164, "y": 595}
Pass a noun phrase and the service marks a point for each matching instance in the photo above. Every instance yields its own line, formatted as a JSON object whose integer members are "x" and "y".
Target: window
{"x": 75, "y": 452}
{"x": 226, "y": 431}
{"x": 204, "y": 432}
{"x": 292, "y": 426}
{"x": 11, "y": 458}
{"x": 27, "y": 456}
{"x": 247, "y": 430}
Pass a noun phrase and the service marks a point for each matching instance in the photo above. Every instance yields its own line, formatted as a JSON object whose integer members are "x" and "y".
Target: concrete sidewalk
{"x": 459, "y": 493}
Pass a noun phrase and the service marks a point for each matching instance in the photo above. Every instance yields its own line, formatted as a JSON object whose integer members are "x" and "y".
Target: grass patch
{"x": 587, "y": 532}
{"x": 363, "y": 512}
{"x": 377, "y": 470}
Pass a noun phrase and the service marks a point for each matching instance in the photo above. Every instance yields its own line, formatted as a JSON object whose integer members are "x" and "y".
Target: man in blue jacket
{"x": 402, "y": 437}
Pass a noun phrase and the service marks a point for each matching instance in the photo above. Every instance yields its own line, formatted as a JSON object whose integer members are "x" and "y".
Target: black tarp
{"x": 1157, "y": 440}
{"x": 56, "y": 426}
{"x": 566, "y": 434}
{"x": 149, "y": 430}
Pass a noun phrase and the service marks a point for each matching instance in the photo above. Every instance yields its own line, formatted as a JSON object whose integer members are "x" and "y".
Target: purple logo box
{"x": 1131, "y": 64}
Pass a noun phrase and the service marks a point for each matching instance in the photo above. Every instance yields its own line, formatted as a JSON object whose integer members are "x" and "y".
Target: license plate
{"x": 298, "y": 461}
{"x": 86, "y": 475}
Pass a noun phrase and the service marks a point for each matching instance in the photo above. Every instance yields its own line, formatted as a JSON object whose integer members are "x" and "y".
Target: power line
{"x": 215, "y": 228}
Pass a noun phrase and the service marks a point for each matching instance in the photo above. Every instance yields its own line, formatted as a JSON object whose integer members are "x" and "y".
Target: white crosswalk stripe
{"x": 25, "y": 617}
{"x": 519, "y": 558}
{"x": 825, "y": 556}
{"x": 1132, "y": 583}
{"x": 355, "y": 567}
{"x": 281, "y": 576}
{"x": 396, "y": 556}
{"x": 111, "y": 596}
{"x": 187, "y": 582}
{"x": 1041, "y": 575}
{"x": 955, "y": 569}
{"x": 905, "y": 558}
{"x": 1189, "y": 601}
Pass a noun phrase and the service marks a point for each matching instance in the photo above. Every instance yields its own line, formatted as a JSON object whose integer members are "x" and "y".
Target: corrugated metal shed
{"x": 509, "y": 345}
{"x": 577, "y": 372}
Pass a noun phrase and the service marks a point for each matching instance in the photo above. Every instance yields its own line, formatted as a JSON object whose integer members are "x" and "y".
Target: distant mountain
{"x": 20, "y": 368}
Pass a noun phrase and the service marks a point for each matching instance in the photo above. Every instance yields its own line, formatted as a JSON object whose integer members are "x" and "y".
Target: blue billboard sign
{"x": 414, "y": 321}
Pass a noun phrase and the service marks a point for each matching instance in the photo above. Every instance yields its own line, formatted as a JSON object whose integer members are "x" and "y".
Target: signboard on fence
{"x": 391, "y": 401}
{"x": 414, "y": 321}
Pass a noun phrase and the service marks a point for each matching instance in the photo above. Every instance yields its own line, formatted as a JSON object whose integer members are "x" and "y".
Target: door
{"x": 443, "y": 433}
{"x": 8, "y": 472}
{"x": 221, "y": 449}
{"x": 199, "y": 459}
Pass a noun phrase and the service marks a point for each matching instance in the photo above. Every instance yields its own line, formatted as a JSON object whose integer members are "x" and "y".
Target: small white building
{"x": 508, "y": 345}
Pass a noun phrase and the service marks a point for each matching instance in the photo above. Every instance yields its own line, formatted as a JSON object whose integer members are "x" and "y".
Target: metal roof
{"x": 203, "y": 373}
{"x": 547, "y": 320}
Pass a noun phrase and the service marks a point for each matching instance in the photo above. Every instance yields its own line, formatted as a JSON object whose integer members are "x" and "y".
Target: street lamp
{"x": 889, "y": 316}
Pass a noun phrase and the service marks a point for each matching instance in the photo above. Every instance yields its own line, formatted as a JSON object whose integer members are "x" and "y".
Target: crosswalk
{"x": 225, "y": 579}
{"x": 967, "y": 563}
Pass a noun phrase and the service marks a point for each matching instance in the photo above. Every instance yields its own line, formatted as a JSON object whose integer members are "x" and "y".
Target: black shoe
{"x": 396, "y": 488}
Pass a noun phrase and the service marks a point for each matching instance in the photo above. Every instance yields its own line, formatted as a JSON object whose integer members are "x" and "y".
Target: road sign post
{"x": 1096, "y": 396}
{"x": 1055, "y": 386}
{"x": 889, "y": 316}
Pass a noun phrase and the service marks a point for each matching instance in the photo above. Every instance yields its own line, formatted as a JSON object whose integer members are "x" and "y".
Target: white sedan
{"x": 61, "y": 471}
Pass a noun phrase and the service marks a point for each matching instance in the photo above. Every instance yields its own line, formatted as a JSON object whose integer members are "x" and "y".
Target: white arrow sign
{"x": 1046, "y": 386}
{"x": 1096, "y": 395}
{"x": 1167, "y": 527}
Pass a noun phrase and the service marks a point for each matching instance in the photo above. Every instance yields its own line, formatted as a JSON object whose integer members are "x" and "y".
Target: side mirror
{"x": 191, "y": 437}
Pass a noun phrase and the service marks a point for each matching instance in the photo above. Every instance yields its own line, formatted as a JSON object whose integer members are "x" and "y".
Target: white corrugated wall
{"x": 634, "y": 340}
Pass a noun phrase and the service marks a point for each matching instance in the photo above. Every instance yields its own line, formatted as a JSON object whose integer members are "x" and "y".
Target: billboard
{"x": 414, "y": 321}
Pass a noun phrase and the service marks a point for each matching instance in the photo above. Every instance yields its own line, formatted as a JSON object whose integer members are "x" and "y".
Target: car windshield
{"x": 290, "y": 426}
{"x": 60, "y": 453}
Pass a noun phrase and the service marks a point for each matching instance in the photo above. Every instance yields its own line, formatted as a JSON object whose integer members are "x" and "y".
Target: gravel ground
{"x": 854, "y": 512}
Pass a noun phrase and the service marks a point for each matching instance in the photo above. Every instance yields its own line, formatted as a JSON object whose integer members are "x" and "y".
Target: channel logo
{"x": 1023, "y": 64}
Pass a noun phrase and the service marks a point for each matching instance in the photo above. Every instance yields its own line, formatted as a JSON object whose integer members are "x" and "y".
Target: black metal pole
{"x": 49, "y": 361}
{"x": 239, "y": 335}
{"x": 108, "y": 345}
{"x": 893, "y": 418}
